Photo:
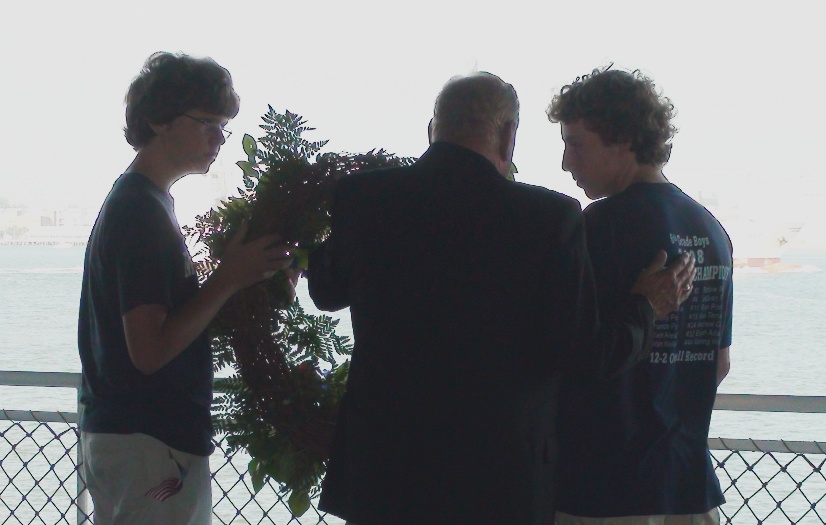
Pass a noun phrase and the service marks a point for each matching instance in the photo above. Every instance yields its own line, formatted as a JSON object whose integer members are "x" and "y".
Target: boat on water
{"x": 759, "y": 243}
{"x": 758, "y": 238}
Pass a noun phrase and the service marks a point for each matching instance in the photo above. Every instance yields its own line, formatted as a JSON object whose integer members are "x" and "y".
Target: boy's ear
{"x": 159, "y": 129}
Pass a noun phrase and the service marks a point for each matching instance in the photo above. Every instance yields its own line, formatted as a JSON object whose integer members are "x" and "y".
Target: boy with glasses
{"x": 146, "y": 432}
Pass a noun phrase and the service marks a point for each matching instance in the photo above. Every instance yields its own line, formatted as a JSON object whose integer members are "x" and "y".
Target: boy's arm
{"x": 723, "y": 364}
{"x": 155, "y": 336}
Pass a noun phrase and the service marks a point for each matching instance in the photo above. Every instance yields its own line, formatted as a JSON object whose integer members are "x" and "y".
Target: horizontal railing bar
{"x": 40, "y": 417}
{"x": 773, "y": 403}
{"x": 736, "y": 402}
{"x": 45, "y": 379}
{"x": 51, "y": 379}
{"x": 739, "y": 445}
{"x": 765, "y": 445}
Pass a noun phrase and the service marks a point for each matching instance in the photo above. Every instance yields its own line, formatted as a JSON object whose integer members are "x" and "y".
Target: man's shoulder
{"x": 540, "y": 192}
{"x": 406, "y": 178}
{"x": 376, "y": 175}
{"x": 543, "y": 197}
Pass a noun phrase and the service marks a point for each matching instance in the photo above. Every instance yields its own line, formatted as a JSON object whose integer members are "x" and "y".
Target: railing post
{"x": 83, "y": 500}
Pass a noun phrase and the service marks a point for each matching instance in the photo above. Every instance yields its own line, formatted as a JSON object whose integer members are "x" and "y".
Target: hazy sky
{"x": 747, "y": 81}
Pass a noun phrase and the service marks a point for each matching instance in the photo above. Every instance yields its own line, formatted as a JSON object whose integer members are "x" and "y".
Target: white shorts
{"x": 136, "y": 479}
{"x": 711, "y": 517}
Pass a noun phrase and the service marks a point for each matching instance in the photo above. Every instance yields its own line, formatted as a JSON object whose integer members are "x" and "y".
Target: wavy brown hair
{"x": 622, "y": 107}
{"x": 169, "y": 85}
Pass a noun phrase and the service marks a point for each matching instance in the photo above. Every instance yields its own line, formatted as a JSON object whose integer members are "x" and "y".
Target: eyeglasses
{"x": 211, "y": 126}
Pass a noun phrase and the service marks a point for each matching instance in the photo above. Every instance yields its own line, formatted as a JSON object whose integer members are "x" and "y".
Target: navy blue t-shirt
{"x": 136, "y": 255}
{"x": 636, "y": 444}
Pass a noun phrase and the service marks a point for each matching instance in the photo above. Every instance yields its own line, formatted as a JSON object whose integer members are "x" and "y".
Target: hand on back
{"x": 666, "y": 288}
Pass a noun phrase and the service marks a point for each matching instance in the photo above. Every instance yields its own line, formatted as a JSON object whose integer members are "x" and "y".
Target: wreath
{"x": 290, "y": 367}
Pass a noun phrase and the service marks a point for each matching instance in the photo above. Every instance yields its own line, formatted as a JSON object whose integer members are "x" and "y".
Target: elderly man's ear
{"x": 430, "y": 132}
{"x": 507, "y": 142}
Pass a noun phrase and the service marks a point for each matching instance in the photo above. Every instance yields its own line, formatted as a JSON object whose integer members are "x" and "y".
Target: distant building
{"x": 70, "y": 225}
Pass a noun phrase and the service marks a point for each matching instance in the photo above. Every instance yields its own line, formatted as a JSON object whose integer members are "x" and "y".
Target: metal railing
{"x": 39, "y": 481}
{"x": 771, "y": 481}
{"x": 764, "y": 481}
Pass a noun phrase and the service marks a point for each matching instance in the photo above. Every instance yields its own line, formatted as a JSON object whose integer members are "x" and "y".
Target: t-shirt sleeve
{"x": 728, "y": 306}
{"x": 143, "y": 257}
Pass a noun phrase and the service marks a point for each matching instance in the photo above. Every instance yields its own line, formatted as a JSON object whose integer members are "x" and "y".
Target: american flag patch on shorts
{"x": 168, "y": 487}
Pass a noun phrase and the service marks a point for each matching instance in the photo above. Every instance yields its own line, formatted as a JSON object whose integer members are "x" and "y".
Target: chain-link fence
{"x": 37, "y": 468}
{"x": 39, "y": 482}
{"x": 234, "y": 502}
{"x": 771, "y": 481}
{"x": 765, "y": 482}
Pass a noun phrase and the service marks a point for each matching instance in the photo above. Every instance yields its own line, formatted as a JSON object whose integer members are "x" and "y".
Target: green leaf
{"x": 299, "y": 502}
{"x": 256, "y": 475}
{"x": 512, "y": 171}
{"x": 248, "y": 167}
{"x": 280, "y": 467}
{"x": 250, "y": 146}
{"x": 301, "y": 258}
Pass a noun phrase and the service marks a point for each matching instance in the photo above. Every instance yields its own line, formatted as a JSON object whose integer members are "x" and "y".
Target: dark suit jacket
{"x": 468, "y": 294}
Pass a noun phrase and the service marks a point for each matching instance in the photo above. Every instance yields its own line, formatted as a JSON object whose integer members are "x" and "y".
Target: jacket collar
{"x": 453, "y": 157}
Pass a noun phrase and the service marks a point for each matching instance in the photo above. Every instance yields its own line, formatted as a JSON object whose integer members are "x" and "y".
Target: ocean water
{"x": 778, "y": 342}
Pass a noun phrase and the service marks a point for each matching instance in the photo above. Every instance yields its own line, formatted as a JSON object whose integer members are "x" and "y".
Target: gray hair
{"x": 474, "y": 106}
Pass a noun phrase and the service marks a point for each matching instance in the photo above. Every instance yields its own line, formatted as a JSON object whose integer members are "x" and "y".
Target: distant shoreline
{"x": 21, "y": 242}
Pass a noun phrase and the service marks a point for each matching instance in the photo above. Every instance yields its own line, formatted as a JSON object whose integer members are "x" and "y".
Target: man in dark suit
{"x": 469, "y": 294}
